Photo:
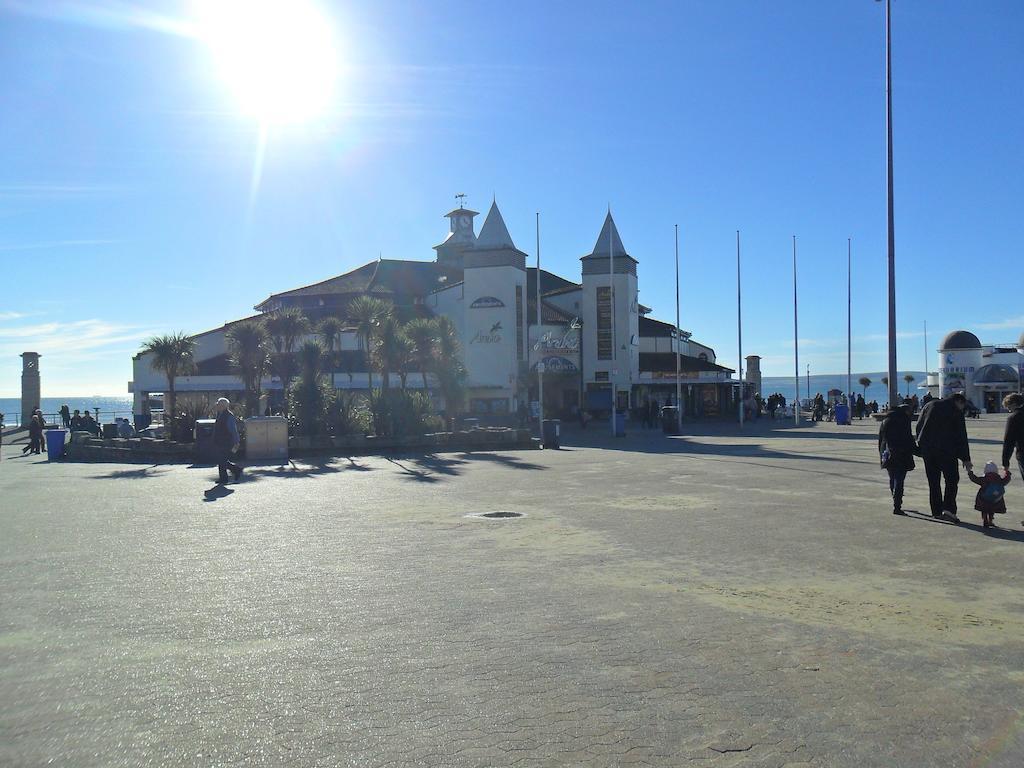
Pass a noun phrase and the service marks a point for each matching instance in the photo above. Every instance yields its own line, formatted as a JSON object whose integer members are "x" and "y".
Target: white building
{"x": 595, "y": 340}
{"x": 985, "y": 373}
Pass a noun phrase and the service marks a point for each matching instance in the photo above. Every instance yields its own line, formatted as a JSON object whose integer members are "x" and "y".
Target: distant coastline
{"x": 824, "y": 382}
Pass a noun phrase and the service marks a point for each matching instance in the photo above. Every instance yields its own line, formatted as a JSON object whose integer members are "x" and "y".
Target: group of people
{"x": 650, "y": 412}
{"x": 74, "y": 422}
{"x": 941, "y": 443}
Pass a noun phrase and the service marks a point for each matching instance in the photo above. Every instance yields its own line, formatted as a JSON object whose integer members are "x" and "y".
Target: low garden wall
{"x": 152, "y": 451}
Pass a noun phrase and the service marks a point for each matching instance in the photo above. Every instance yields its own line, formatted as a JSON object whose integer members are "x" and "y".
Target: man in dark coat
{"x": 1013, "y": 440}
{"x": 941, "y": 441}
{"x": 896, "y": 449}
{"x": 225, "y": 440}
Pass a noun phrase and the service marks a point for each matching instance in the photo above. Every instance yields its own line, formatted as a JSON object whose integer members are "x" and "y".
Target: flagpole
{"x": 679, "y": 347}
{"x": 739, "y": 323}
{"x": 893, "y": 373}
{"x": 796, "y": 346}
{"x": 611, "y": 297}
{"x": 849, "y": 318}
{"x": 540, "y": 358}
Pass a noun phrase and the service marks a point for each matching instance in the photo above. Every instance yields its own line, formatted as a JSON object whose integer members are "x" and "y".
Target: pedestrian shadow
{"x": 293, "y": 470}
{"x": 217, "y": 492}
{"x": 132, "y": 474}
{"x": 1005, "y": 534}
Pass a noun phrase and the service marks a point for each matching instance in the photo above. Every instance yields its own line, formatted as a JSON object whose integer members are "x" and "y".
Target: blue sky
{"x": 126, "y": 166}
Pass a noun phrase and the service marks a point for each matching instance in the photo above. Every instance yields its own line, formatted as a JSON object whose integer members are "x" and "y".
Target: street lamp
{"x": 808, "y": 382}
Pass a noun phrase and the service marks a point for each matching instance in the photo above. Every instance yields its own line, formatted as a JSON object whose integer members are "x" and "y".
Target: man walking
{"x": 942, "y": 440}
{"x": 1013, "y": 440}
{"x": 225, "y": 440}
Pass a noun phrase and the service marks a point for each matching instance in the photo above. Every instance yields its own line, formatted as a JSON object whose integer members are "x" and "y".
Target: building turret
{"x": 611, "y": 348}
{"x": 494, "y": 285}
{"x": 460, "y": 237}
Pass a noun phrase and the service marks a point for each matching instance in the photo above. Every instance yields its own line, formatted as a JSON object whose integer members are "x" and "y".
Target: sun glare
{"x": 278, "y": 57}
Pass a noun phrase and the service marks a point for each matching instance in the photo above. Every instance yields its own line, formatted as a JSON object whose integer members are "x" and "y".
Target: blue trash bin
{"x": 620, "y": 424}
{"x": 842, "y": 414}
{"x": 55, "y": 444}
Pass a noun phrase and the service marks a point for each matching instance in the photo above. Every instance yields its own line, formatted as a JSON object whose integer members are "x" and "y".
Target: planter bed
{"x": 151, "y": 451}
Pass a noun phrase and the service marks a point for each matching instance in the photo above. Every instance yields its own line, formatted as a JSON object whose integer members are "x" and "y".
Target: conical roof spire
{"x": 494, "y": 233}
{"x": 609, "y": 230}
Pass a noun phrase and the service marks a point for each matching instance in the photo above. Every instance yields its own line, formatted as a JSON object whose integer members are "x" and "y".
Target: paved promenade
{"x": 723, "y": 599}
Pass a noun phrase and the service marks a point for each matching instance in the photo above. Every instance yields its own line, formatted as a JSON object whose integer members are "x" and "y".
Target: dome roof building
{"x": 995, "y": 374}
{"x": 960, "y": 340}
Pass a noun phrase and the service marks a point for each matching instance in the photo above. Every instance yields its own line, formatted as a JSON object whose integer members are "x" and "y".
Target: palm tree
{"x": 909, "y": 378}
{"x": 310, "y": 392}
{"x": 330, "y": 330}
{"x": 448, "y": 365}
{"x": 173, "y": 355}
{"x": 423, "y": 335}
{"x": 285, "y": 327}
{"x": 392, "y": 350}
{"x": 405, "y": 356}
{"x": 249, "y": 351}
{"x": 865, "y": 382}
{"x": 367, "y": 312}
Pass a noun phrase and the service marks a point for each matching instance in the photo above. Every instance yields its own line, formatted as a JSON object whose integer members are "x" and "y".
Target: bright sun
{"x": 278, "y": 57}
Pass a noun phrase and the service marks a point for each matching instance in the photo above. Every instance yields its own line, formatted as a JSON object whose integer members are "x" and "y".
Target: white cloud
{"x": 106, "y": 14}
{"x": 1014, "y": 323}
{"x": 94, "y": 350}
{"x": 53, "y": 244}
{"x": 67, "y": 338}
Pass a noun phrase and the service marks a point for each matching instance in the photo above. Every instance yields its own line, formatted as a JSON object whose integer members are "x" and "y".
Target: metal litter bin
{"x": 55, "y": 444}
{"x": 551, "y": 430}
{"x": 206, "y": 451}
{"x": 670, "y": 420}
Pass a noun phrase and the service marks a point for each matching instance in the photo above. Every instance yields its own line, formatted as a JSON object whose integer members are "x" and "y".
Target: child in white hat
{"x": 990, "y": 499}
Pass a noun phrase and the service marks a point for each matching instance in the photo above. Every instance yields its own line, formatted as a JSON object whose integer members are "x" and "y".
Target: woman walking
{"x": 1013, "y": 440}
{"x": 896, "y": 449}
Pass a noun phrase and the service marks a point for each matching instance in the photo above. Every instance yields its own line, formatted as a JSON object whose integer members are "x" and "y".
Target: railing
{"x": 51, "y": 419}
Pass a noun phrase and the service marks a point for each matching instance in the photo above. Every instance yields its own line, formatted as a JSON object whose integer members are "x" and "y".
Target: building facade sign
{"x": 557, "y": 347}
{"x": 487, "y": 302}
{"x": 491, "y": 336}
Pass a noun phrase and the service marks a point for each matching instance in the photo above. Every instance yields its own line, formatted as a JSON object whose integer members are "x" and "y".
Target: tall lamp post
{"x": 893, "y": 376}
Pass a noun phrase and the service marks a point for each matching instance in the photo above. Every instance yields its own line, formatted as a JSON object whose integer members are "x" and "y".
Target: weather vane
{"x": 461, "y": 197}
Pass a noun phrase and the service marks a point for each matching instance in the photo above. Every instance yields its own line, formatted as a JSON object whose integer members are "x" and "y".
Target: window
{"x": 520, "y": 347}
{"x": 605, "y": 307}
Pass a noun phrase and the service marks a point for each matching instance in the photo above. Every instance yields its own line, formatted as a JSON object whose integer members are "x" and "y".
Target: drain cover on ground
{"x": 499, "y": 515}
